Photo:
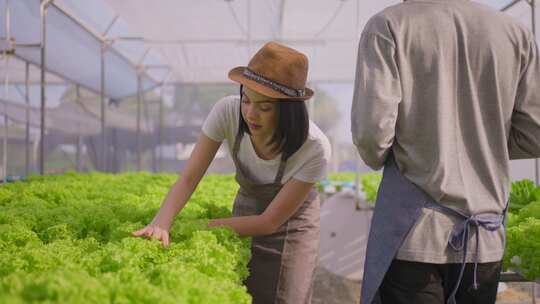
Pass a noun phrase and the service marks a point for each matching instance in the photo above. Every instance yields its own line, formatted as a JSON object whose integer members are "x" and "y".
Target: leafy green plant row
{"x": 67, "y": 239}
{"x": 523, "y": 230}
{"x": 369, "y": 182}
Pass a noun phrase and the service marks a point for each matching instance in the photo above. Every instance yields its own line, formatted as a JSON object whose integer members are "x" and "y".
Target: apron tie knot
{"x": 460, "y": 235}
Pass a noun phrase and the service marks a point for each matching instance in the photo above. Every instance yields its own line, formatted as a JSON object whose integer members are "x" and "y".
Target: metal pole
{"x": 147, "y": 122}
{"x": 114, "y": 158}
{"x": 26, "y": 45}
{"x": 160, "y": 131}
{"x": 8, "y": 22}
{"x": 103, "y": 104}
{"x": 27, "y": 110}
{"x": 5, "y": 151}
{"x": 145, "y": 118}
{"x": 103, "y": 157}
{"x": 239, "y": 41}
{"x": 43, "y": 13}
{"x": 140, "y": 71}
{"x": 248, "y": 3}
{"x": 139, "y": 101}
{"x": 533, "y": 292}
{"x": 510, "y": 5}
{"x": 6, "y": 132}
{"x": 533, "y": 25}
{"x": 113, "y": 21}
{"x": 78, "y": 149}
{"x": 161, "y": 120}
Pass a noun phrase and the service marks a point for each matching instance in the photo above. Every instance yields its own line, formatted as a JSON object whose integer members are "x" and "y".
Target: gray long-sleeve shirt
{"x": 452, "y": 87}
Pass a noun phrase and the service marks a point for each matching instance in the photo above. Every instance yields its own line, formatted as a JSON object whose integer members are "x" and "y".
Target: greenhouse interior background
{"x": 117, "y": 86}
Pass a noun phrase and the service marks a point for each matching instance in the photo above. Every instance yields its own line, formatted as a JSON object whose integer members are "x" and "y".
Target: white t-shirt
{"x": 308, "y": 164}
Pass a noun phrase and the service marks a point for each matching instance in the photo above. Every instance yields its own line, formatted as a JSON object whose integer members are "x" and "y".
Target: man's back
{"x": 461, "y": 78}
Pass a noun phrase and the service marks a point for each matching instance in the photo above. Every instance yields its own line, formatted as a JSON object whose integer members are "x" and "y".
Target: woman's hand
{"x": 201, "y": 157}
{"x": 152, "y": 231}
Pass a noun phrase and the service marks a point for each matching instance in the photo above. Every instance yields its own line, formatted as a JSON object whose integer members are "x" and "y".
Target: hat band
{"x": 273, "y": 85}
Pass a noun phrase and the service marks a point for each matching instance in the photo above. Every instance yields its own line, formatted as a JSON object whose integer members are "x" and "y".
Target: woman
{"x": 279, "y": 155}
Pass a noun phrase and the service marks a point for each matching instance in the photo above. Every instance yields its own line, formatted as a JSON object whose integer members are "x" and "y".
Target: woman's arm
{"x": 201, "y": 157}
{"x": 287, "y": 201}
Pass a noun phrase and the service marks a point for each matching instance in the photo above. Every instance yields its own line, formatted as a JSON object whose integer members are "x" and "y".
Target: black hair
{"x": 292, "y": 127}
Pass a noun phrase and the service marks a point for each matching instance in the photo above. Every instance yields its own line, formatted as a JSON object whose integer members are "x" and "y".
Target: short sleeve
{"x": 220, "y": 120}
{"x": 315, "y": 168}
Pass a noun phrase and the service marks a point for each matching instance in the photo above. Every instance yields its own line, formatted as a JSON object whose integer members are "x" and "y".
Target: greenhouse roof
{"x": 203, "y": 39}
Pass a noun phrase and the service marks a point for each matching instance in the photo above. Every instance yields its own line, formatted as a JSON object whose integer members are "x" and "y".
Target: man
{"x": 446, "y": 92}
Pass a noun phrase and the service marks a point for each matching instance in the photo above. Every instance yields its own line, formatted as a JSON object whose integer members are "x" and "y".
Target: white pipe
{"x": 27, "y": 114}
{"x": 43, "y": 13}
{"x": 6, "y": 132}
{"x": 533, "y": 25}
{"x": 8, "y": 21}
{"x": 103, "y": 112}
{"x": 5, "y": 151}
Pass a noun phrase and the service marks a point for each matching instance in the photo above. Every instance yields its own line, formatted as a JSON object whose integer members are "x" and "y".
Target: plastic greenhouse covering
{"x": 65, "y": 37}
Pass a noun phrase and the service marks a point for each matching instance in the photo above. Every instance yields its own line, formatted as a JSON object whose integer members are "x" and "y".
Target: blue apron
{"x": 399, "y": 205}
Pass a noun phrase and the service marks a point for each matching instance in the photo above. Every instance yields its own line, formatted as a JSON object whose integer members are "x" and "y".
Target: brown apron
{"x": 282, "y": 265}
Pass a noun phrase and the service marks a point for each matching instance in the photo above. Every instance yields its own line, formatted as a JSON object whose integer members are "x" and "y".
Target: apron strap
{"x": 281, "y": 171}
{"x": 460, "y": 235}
{"x": 236, "y": 147}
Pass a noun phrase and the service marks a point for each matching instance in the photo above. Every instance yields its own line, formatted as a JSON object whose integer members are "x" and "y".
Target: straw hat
{"x": 275, "y": 71}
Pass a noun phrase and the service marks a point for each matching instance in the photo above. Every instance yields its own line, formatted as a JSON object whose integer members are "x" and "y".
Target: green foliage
{"x": 532, "y": 210}
{"x": 67, "y": 239}
{"x": 523, "y": 248}
{"x": 522, "y": 193}
{"x": 342, "y": 177}
{"x": 370, "y": 185}
{"x": 370, "y": 182}
{"x": 523, "y": 232}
